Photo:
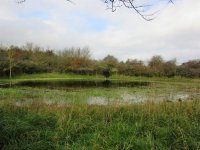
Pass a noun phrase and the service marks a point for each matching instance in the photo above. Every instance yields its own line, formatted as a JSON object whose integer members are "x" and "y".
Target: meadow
{"x": 164, "y": 114}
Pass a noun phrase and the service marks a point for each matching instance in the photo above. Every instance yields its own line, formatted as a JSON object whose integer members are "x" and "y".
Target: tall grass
{"x": 138, "y": 126}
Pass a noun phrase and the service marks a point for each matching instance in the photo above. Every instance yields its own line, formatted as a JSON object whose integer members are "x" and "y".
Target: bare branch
{"x": 20, "y": 1}
{"x": 131, "y": 4}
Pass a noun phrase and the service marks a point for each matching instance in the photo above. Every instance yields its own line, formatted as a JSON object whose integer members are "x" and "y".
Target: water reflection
{"x": 128, "y": 98}
{"x": 74, "y": 94}
{"x": 81, "y": 84}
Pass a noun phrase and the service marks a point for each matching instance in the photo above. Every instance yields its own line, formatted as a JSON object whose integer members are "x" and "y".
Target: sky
{"x": 57, "y": 24}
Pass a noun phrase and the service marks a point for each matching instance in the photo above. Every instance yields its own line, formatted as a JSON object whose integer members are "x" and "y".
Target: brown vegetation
{"x": 31, "y": 59}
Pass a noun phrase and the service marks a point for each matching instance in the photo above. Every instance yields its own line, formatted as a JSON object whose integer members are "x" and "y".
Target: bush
{"x": 106, "y": 73}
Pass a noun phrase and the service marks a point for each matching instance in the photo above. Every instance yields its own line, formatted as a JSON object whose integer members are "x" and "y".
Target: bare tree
{"x": 131, "y": 4}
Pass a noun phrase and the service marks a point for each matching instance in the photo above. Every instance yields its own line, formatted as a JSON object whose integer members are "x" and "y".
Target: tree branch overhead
{"x": 130, "y": 4}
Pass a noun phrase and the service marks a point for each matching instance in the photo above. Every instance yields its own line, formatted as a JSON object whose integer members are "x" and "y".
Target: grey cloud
{"x": 174, "y": 33}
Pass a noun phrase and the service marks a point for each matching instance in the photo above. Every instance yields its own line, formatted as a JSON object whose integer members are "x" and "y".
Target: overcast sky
{"x": 174, "y": 33}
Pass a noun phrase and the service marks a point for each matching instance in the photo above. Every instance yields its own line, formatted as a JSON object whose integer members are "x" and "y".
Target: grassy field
{"x": 163, "y": 115}
{"x": 138, "y": 126}
{"x": 69, "y": 76}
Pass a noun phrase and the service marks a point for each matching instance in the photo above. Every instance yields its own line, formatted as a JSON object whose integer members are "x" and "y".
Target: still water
{"x": 114, "y": 92}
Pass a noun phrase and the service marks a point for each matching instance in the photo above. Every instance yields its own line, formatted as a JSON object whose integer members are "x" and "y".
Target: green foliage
{"x": 147, "y": 126}
{"x": 28, "y": 121}
{"x": 31, "y": 59}
{"x": 110, "y": 62}
{"x": 186, "y": 72}
{"x": 106, "y": 73}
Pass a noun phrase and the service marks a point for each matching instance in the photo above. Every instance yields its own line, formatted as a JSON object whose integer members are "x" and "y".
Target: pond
{"x": 94, "y": 92}
{"x": 80, "y": 84}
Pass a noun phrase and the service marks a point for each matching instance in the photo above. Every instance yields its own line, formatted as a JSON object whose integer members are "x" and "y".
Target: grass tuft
{"x": 138, "y": 126}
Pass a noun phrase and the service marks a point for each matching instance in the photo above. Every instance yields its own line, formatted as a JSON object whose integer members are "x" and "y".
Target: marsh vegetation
{"x": 67, "y": 111}
{"x": 140, "y": 126}
{"x": 67, "y": 100}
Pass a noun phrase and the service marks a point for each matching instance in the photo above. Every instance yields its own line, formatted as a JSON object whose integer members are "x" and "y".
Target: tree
{"x": 156, "y": 65}
{"x": 140, "y": 8}
{"x": 132, "y": 4}
{"x": 4, "y": 61}
{"x": 77, "y": 60}
{"x": 106, "y": 73}
{"x": 135, "y": 67}
{"x": 190, "y": 69}
{"x": 110, "y": 61}
{"x": 169, "y": 68}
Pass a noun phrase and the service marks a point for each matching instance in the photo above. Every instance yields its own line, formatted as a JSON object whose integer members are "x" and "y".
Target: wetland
{"x": 86, "y": 112}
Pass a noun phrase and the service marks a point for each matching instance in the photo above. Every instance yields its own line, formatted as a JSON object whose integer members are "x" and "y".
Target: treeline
{"x": 30, "y": 59}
